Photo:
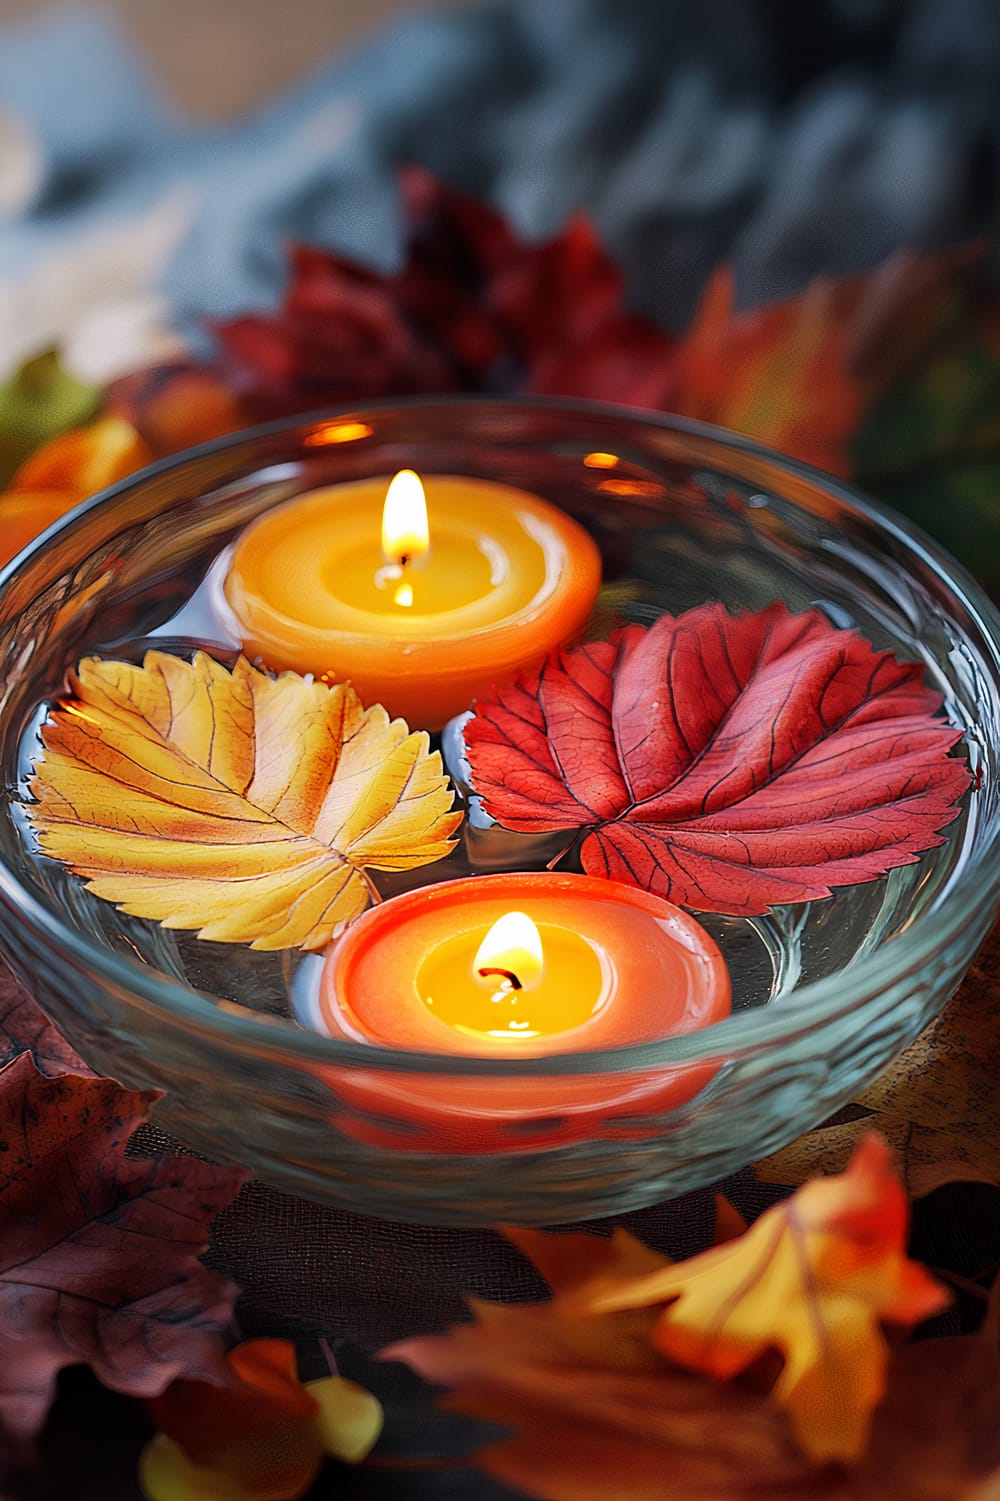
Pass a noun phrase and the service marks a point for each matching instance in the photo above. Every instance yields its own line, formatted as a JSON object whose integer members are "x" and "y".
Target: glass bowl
{"x": 825, "y": 994}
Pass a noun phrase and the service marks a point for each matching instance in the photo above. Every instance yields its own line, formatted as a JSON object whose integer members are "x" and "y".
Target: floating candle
{"x": 420, "y": 616}
{"x": 598, "y": 965}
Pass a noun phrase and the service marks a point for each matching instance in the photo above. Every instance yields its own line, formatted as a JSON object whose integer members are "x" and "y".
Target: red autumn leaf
{"x": 560, "y": 290}
{"x": 728, "y": 763}
{"x": 625, "y": 359}
{"x": 456, "y": 246}
{"x": 98, "y": 1251}
{"x": 341, "y": 334}
{"x": 24, "y": 1028}
{"x": 472, "y": 308}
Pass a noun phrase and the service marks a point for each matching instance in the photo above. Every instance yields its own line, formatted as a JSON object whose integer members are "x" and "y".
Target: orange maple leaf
{"x": 814, "y": 1278}
{"x": 86, "y": 459}
{"x": 778, "y": 372}
{"x": 596, "y": 1412}
{"x": 25, "y": 513}
{"x": 623, "y": 1377}
{"x": 802, "y": 373}
{"x": 241, "y": 805}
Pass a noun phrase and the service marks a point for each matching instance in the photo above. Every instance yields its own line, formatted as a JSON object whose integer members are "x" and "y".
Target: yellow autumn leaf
{"x": 348, "y": 1420}
{"x": 238, "y": 804}
{"x": 814, "y": 1278}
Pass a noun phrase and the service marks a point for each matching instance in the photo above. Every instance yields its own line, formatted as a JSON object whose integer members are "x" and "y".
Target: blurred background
{"x": 217, "y": 58}
{"x": 803, "y": 193}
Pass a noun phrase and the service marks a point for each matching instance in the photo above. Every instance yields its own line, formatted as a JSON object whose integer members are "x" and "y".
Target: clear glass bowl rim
{"x": 815, "y": 1003}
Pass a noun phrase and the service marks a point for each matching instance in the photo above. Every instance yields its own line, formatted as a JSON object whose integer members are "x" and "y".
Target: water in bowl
{"x": 666, "y": 558}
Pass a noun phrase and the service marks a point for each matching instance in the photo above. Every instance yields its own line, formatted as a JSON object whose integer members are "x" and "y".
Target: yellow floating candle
{"x": 351, "y": 584}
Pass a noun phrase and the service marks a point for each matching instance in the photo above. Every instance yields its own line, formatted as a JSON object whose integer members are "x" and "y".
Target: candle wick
{"x": 507, "y": 974}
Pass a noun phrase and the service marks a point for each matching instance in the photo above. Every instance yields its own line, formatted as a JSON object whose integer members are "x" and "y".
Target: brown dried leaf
{"x": 595, "y": 1412}
{"x": 24, "y": 1028}
{"x": 99, "y": 1251}
{"x": 241, "y": 805}
{"x": 937, "y": 1104}
{"x": 924, "y": 1159}
{"x": 948, "y": 1079}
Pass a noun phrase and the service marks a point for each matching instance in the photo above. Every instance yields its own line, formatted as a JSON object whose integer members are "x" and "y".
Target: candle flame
{"x": 405, "y": 534}
{"x": 512, "y": 950}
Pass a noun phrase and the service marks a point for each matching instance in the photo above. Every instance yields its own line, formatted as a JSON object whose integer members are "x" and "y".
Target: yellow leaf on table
{"x": 814, "y": 1278}
{"x": 349, "y": 1419}
{"x": 238, "y": 804}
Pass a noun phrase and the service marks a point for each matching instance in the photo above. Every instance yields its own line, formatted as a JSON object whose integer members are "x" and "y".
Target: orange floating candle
{"x": 352, "y": 583}
{"x": 591, "y": 965}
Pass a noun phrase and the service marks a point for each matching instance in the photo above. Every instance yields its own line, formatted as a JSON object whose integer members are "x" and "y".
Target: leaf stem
{"x": 573, "y": 845}
{"x": 373, "y": 890}
{"x": 964, "y": 1284}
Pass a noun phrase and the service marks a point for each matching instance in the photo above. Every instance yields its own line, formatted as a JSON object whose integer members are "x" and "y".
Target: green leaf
{"x": 39, "y": 402}
{"x": 931, "y": 445}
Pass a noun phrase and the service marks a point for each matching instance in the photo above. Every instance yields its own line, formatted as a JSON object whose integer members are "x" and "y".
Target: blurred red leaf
{"x": 98, "y": 1251}
{"x": 24, "y": 1028}
{"x": 728, "y": 763}
{"x": 471, "y": 309}
{"x": 341, "y": 334}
